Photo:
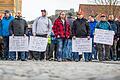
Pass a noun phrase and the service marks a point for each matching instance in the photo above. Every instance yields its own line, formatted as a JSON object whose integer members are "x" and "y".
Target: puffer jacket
{"x": 5, "y": 25}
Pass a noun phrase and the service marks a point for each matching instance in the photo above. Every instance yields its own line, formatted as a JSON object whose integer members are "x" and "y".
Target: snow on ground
{"x": 46, "y": 70}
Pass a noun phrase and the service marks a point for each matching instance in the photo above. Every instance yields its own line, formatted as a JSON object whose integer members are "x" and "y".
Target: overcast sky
{"x": 32, "y": 9}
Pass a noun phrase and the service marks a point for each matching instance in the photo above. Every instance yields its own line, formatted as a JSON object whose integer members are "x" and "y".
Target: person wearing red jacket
{"x": 61, "y": 29}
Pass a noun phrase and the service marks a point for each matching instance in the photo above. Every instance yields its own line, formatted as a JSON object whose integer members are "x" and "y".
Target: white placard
{"x": 18, "y": 43}
{"x": 81, "y": 45}
{"x": 104, "y": 36}
{"x": 38, "y": 44}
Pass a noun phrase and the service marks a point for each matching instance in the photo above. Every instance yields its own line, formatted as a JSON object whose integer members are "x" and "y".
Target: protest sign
{"x": 38, "y": 44}
{"x": 81, "y": 45}
{"x": 18, "y": 43}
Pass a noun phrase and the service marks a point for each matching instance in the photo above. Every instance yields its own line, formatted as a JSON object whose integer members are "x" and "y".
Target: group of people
{"x": 60, "y": 35}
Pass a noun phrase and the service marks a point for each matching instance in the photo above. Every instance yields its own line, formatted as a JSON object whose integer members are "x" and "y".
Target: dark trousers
{"x": 118, "y": 50}
{"x": 51, "y": 48}
{"x": 38, "y": 55}
{"x": 6, "y": 47}
{"x": 103, "y": 52}
{"x": 114, "y": 50}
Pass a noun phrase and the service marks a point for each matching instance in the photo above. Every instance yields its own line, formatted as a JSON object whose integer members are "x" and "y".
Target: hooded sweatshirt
{"x": 42, "y": 26}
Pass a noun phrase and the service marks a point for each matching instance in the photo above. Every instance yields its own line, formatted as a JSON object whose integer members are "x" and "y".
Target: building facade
{"x": 96, "y": 10}
{"x": 12, "y": 5}
{"x": 57, "y": 12}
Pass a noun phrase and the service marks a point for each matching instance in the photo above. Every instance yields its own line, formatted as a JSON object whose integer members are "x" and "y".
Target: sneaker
{"x": 60, "y": 60}
{"x": 76, "y": 60}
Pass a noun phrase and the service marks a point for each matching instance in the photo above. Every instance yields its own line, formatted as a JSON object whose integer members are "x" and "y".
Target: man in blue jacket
{"x": 5, "y": 32}
{"x": 92, "y": 23}
{"x": 1, "y": 39}
{"x": 0, "y": 25}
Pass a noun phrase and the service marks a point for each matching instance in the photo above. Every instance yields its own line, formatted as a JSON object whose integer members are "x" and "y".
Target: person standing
{"x": 81, "y": 29}
{"x": 29, "y": 54}
{"x": 68, "y": 47}
{"x": 118, "y": 38}
{"x": 114, "y": 46}
{"x": 0, "y": 25}
{"x": 103, "y": 49}
{"x": 5, "y": 32}
{"x": 92, "y": 23}
{"x": 41, "y": 28}
{"x": 18, "y": 27}
{"x": 61, "y": 29}
{"x": 1, "y": 39}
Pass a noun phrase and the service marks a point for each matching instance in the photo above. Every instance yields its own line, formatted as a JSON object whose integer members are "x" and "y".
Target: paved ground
{"x": 32, "y": 70}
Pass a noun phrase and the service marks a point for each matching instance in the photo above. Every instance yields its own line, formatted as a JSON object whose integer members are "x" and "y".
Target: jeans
{"x": 75, "y": 56}
{"x": 67, "y": 50}
{"x": 88, "y": 56}
{"x": 61, "y": 48}
{"x": 6, "y": 47}
{"x": 22, "y": 55}
{"x": 94, "y": 52}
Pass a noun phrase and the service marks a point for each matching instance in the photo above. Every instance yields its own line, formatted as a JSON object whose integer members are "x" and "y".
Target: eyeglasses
{"x": 62, "y": 14}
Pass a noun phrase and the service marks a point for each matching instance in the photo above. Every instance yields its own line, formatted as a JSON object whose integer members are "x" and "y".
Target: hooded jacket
{"x": 5, "y": 25}
{"x": 92, "y": 27}
{"x": 0, "y": 27}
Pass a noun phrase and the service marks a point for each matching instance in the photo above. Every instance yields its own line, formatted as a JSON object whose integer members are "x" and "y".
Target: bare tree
{"x": 108, "y": 6}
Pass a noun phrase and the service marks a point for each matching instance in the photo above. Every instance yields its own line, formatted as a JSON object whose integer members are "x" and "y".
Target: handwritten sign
{"x": 18, "y": 43}
{"x": 104, "y": 36}
{"x": 81, "y": 45}
{"x": 38, "y": 44}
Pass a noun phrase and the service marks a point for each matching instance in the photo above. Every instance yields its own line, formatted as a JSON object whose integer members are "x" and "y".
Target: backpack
{"x": 38, "y": 20}
{"x": 108, "y": 24}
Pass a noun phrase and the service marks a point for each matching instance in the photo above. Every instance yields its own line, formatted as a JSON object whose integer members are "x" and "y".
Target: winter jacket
{"x": 81, "y": 28}
{"x": 92, "y": 27}
{"x": 118, "y": 29}
{"x": 105, "y": 25}
{"x": 5, "y": 25}
{"x": 18, "y": 27}
{"x": 42, "y": 26}
{"x": 113, "y": 26}
{"x": 70, "y": 20}
{"x": 60, "y": 29}
{"x": 29, "y": 32}
{"x": 0, "y": 27}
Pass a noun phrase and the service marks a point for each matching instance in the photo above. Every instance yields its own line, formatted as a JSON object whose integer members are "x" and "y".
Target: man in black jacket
{"x": 114, "y": 28}
{"x": 118, "y": 39}
{"x": 81, "y": 29}
{"x": 18, "y": 28}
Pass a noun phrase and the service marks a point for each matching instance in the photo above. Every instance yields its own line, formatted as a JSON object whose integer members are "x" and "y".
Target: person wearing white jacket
{"x": 42, "y": 27}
